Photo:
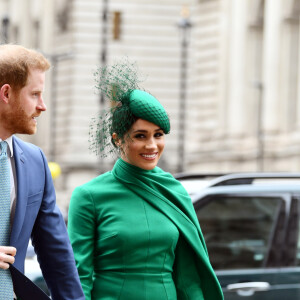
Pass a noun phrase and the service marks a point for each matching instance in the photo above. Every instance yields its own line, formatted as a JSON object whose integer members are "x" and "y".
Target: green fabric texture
{"x": 135, "y": 236}
{"x": 145, "y": 106}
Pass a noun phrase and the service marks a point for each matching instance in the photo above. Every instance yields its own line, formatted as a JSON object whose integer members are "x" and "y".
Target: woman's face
{"x": 143, "y": 144}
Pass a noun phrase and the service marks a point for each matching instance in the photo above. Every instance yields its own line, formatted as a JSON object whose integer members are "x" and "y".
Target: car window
{"x": 238, "y": 230}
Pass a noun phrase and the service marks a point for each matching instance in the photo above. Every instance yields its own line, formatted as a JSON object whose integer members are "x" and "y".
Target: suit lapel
{"x": 22, "y": 192}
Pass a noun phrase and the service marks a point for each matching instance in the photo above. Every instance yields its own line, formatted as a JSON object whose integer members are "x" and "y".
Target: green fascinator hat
{"x": 119, "y": 84}
{"x": 145, "y": 106}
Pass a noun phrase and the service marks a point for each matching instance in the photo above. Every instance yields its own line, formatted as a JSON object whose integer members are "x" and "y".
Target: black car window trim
{"x": 290, "y": 249}
{"x": 276, "y": 242}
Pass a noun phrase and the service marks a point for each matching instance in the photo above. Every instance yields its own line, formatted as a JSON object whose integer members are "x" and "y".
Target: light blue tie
{"x": 6, "y": 286}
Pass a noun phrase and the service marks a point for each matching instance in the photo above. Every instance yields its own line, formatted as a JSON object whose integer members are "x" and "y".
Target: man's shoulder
{"x": 25, "y": 146}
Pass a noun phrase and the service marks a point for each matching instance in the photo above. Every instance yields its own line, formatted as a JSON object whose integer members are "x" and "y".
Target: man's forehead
{"x": 35, "y": 76}
{"x": 35, "y": 71}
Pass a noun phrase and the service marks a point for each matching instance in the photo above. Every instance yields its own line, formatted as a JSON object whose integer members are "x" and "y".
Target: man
{"x": 32, "y": 211}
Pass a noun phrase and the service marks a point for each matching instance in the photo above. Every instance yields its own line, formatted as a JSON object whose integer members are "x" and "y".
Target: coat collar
{"x": 175, "y": 203}
{"x": 168, "y": 196}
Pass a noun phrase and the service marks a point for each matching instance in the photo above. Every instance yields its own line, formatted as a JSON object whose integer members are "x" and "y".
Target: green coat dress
{"x": 135, "y": 236}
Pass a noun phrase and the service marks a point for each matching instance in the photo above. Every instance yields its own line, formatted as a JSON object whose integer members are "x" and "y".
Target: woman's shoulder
{"x": 101, "y": 185}
{"x": 97, "y": 182}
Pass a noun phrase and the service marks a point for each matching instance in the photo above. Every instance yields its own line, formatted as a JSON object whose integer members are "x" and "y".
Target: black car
{"x": 251, "y": 226}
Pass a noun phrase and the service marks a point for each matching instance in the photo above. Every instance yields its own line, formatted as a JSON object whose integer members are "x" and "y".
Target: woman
{"x": 134, "y": 231}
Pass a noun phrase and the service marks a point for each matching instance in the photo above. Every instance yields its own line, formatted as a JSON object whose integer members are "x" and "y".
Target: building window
{"x": 116, "y": 25}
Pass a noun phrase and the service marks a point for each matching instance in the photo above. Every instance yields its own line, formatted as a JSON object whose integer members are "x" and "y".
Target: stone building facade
{"x": 241, "y": 86}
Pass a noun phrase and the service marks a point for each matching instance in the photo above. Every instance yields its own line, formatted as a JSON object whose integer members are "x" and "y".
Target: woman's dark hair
{"x": 122, "y": 120}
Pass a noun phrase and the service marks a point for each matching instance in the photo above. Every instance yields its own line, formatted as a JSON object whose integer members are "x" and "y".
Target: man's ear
{"x": 5, "y": 92}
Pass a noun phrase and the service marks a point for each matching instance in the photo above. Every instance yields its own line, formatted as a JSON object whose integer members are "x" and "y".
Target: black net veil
{"x": 115, "y": 82}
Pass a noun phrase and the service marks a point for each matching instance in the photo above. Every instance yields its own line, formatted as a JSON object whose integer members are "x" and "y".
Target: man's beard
{"x": 17, "y": 121}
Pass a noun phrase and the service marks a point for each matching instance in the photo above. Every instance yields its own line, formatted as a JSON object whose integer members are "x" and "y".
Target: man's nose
{"x": 41, "y": 105}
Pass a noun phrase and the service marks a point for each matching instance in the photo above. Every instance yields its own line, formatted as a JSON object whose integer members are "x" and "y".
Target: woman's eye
{"x": 158, "y": 134}
{"x": 139, "y": 136}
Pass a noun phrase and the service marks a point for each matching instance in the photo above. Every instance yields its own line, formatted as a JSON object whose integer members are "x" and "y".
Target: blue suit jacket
{"x": 38, "y": 217}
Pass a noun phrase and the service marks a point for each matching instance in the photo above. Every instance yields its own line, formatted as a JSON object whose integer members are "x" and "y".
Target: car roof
{"x": 251, "y": 178}
{"x": 241, "y": 183}
{"x": 246, "y": 190}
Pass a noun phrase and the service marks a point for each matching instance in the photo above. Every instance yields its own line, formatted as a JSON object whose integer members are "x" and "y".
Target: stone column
{"x": 237, "y": 58}
{"x": 271, "y": 59}
{"x": 24, "y": 23}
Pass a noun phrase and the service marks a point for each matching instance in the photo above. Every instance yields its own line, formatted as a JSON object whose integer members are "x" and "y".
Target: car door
{"x": 245, "y": 236}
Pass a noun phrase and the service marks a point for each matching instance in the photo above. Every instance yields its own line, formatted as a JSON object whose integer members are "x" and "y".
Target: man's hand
{"x": 7, "y": 256}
